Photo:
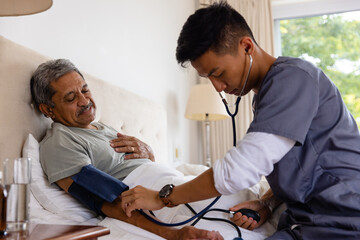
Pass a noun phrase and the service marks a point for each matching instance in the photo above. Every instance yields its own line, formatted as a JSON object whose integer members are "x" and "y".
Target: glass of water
{"x": 17, "y": 178}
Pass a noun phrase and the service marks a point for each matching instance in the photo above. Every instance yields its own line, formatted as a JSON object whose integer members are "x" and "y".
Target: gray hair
{"x": 47, "y": 72}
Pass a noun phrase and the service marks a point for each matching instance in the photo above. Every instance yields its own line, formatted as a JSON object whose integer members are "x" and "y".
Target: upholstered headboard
{"x": 125, "y": 111}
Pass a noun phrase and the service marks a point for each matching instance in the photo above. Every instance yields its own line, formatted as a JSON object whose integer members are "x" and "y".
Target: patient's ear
{"x": 46, "y": 110}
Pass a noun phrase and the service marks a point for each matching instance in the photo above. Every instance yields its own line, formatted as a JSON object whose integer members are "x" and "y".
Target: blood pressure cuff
{"x": 91, "y": 201}
{"x": 92, "y": 187}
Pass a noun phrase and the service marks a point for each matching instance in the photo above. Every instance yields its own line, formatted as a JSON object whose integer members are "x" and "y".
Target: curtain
{"x": 258, "y": 15}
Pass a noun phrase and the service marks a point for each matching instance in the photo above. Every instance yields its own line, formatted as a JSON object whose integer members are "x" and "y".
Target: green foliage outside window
{"x": 332, "y": 42}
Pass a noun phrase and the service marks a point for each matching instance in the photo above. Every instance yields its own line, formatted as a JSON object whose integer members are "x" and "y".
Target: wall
{"x": 128, "y": 43}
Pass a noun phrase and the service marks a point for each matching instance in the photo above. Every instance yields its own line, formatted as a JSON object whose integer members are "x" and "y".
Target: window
{"x": 330, "y": 41}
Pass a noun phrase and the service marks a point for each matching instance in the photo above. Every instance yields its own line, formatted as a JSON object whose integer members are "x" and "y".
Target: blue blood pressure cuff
{"x": 92, "y": 187}
{"x": 90, "y": 200}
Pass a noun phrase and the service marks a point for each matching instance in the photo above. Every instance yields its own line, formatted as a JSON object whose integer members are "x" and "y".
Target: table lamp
{"x": 204, "y": 104}
{"x": 23, "y": 7}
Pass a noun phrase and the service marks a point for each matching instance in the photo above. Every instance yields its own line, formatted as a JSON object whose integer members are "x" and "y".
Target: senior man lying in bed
{"x": 86, "y": 158}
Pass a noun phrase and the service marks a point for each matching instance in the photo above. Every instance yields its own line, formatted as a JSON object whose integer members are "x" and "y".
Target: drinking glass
{"x": 17, "y": 178}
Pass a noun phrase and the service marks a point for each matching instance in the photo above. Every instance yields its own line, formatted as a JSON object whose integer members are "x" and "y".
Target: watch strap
{"x": 165, "y": 197}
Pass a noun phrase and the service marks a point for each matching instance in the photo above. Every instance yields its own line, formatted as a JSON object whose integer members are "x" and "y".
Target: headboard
{"x": 127, "y": 112}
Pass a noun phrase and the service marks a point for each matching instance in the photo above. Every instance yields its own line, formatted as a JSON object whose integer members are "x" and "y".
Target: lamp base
{"x": 208, "y": 163}
{"x": 207, "y": 135}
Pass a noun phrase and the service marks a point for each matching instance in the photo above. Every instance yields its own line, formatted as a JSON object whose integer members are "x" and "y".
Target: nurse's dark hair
{"x": 47, "y": 72}
{"x": 218, "y": 27}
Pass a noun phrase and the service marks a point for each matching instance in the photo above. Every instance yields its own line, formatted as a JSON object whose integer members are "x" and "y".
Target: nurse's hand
{"x": 249, "y": 223}
{"x": 132, "y": 146}
{"x": 140, "y": 198}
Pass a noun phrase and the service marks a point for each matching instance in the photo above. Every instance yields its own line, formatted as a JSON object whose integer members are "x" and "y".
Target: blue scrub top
{"x": 319, "y": 178}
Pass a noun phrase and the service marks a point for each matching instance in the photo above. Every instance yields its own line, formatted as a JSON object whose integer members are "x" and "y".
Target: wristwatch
{"x": 164, "y": 193}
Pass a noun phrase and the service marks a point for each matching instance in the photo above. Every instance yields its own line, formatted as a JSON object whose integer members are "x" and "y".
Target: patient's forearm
{"x": 114, "y": 210}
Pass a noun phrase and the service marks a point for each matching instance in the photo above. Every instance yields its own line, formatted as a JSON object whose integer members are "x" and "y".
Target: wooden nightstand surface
{"x": 59, "y": 232}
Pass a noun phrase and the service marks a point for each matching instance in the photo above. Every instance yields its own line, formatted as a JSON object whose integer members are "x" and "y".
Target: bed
{"x": 22, "y": 127}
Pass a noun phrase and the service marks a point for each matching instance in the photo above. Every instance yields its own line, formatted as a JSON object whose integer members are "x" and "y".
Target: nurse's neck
{"x": 261, "y": 66}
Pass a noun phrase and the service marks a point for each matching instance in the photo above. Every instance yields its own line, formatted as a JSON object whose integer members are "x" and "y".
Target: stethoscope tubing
{"x": 233, "y": 115}
{"x": 198, "y": 216}
{"x": 183, "y": 222}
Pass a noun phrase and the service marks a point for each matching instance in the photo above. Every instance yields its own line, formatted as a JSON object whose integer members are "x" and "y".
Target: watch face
{"x": 166, "y": 190}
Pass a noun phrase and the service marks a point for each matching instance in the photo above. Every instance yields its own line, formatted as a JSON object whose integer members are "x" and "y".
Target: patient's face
{"x": 74, "y": 105}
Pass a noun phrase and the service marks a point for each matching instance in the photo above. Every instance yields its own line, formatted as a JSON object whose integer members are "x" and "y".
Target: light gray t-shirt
{"x": 65, "y": 150}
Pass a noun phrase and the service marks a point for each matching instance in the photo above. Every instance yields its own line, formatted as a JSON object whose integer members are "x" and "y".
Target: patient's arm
{"x": 264, "y": 206}
{"x": 133, "y": 146}
{"x": 114, "y": 210}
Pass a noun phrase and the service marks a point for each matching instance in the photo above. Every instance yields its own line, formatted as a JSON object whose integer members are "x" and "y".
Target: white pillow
{"x": 50, "y": 196}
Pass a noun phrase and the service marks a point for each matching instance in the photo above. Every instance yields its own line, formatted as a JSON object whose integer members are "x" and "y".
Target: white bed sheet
{"x": 153, "y": 175}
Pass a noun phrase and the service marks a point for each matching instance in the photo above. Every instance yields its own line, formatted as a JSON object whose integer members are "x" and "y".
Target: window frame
{"x": 289, "y": 9}
{"x": 285, "y": 9}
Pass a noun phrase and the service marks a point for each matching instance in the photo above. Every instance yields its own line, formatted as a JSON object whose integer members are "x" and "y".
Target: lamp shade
{"x": 204, "y": 100}
{"x": 23, "y": 7}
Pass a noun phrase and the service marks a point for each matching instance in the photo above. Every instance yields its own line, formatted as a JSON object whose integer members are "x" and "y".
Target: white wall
{"x": 130, "y": 43}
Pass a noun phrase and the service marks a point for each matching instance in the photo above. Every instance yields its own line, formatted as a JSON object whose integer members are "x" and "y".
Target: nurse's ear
{"x": 246, "y": 45}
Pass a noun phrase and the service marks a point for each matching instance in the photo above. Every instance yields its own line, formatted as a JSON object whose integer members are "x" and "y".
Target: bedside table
{"x": 59, "y": 232}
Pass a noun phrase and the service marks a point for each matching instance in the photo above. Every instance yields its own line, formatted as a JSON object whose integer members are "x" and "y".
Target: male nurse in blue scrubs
{"x": 302, "y": 138}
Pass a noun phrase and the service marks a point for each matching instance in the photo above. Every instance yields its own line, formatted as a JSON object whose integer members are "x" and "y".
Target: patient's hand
{"x": 190, "y": 232}
{"x": 133, "y": 146}
{"x": 140, "y": 198}
{"x": 249, "y": 223}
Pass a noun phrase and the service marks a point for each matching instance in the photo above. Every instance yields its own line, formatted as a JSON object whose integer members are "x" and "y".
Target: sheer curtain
{"x": 258, "y": 15}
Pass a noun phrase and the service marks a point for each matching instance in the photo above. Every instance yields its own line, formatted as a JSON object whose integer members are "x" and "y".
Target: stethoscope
{"x": 201, "y": 215}
{"x": 232, "y": 115}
